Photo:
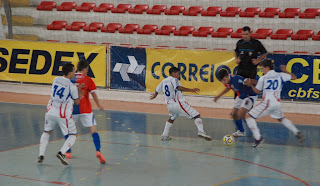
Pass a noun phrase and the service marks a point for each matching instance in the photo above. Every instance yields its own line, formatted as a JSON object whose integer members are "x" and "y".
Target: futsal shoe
{"x": 100, "y": 157}
{"x": 165, "y": 138}
{"x": 238, "y": 133}
{"x": 62, "y": 158}
{"x": 204, "y": 135}
{"x": 258, "y": 142}
{"x": 68, "y": 155}
{"x": 301, "y": 137}
{"x": 40, "y": 159}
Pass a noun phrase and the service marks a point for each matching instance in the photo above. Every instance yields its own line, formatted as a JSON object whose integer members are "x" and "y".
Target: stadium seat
{"x": 76, "y": 26}
{"x": 238, "y": 33}
{"x": 121, "y": 8}
{"x": 180, "y": 47}
{"x": 66, "y": 6}
{"x": 310, "y": 13}
{"x": 57, "y": 25}
{"x": 147, "y": 29}
{"x": 250, "y": 12}
{"x": 129, "y": 28}
{"x": 143, "y": 46}
{"x": 317, "y": 53}
{"x": 302, "y": 35}
{"x": 280, "y": 51}
{"x": 282, "y": 34}
{"x": 103, "y": 7}
{"x": 174, "y": 10}
{"x": 220, "y": 49}
{"x": 269, "y": 12}
{"x": 289, "y": 13}
{"x": 157, "y": 9}
{"x": 212, "y": 11}
{"x": 93, "y": 27}
{"x": 230, "y": 12}
{"x": 301, "y": 52}
{"x": 203, "y": 32}
{"x": 90, "y": 42}
{"x": 85, "y": 7}
{"x": 138, "y": 9}
{"x": 193, "y": 11}
{"x": 47, "y": 5}
{"x": 72, "y": 41}
{"x": 316, "y": 37}
{"x": 54, "y": 41}
{"x": 111, "y": 27}
{"x": 262, "y": 33}
{"x": 222, "y": 32}
{"x": 165, "y": 30}
{"x": 184, "y": 31}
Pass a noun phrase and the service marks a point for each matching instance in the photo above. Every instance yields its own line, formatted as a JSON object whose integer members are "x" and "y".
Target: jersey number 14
{"x": 59, "y": 92}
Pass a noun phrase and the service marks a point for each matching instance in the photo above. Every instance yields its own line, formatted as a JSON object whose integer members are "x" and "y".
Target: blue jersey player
{"x": 244, "y": 101}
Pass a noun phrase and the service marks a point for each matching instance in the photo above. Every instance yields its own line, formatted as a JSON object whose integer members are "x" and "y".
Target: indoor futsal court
{"x": 136, "y": 155}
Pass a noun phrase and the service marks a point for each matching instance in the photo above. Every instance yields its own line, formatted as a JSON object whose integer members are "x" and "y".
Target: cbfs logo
{"x": 125, "y": 69}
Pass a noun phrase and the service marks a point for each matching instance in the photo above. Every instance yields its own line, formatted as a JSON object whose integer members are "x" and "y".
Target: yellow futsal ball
{"x": 228, "y": 139}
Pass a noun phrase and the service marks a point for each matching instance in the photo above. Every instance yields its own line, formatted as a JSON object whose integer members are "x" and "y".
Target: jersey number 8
{"x": 167, "y": 92}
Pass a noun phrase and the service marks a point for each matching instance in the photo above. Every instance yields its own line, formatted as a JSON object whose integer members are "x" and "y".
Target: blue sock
{"x": 66, "y": 137}
{"x": 96, "y": 141}
{"x": 239, "y": 125}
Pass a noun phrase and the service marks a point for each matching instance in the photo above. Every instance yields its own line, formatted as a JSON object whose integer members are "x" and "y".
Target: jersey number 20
{"x": 273, "y": 84}
{"x": 60, "y": 91}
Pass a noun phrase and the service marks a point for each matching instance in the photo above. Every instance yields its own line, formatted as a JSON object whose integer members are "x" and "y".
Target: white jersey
{"x": 271, "y": 84}
{"x": 62, "y": 96}
{"x": 169, "y": 88}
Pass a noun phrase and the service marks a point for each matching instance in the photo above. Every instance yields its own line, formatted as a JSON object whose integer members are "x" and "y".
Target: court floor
{"x": 136, "y": 155}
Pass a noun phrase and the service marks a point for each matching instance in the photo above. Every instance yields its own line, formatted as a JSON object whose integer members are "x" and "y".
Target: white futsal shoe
{"x": 165, "y": 138}
{"x": 204, "y": 135}
{"x": 238, "y": 133}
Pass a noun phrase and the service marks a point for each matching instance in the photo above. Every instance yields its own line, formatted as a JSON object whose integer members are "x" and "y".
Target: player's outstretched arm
{"x": 283, "y": 68}
{"x": 153, "y": 95}
{"x": 184, "y": 89}
{"x": 96, "y": 99}
{"x": 221, "y": 94}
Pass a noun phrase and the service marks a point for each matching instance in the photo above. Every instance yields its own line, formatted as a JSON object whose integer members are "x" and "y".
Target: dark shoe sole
{"x": 206, "y": 138}
{"x": 40, "y": 159}
{"x": 64, "y": 162}
{"x": 256, "y": 145}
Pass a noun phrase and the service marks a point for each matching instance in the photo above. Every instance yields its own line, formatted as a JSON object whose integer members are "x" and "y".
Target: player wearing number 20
{"x": 271, "y": 84}
{"x": 176, "y": 104}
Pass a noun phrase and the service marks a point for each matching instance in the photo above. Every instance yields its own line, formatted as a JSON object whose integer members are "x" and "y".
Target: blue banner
{"x": 128, "y": 68}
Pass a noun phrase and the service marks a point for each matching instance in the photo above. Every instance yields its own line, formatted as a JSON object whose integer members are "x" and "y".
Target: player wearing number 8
{"x": 271, "y": 84}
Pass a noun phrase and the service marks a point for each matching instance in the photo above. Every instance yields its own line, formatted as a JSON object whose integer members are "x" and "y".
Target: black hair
{"x": 67, "y": 68}
{"x": 246, "y": 28}
{"x": 222, "y": 73}
{"x": 82, "y": 64}
{"x": 267, "y": 63}
{"x": 173, "y": 69}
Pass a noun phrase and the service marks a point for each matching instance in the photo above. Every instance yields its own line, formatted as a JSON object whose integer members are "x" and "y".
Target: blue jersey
{"x": 236, "y": 84}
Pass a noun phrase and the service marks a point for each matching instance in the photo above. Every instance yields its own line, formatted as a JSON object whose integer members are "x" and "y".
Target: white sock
{"x": 68, "y": 143}
{"x": 199, "y": 124}
{"x": 44, "y": 140}
{"x": 167, "y": 129}
{"x": 252, "y": 124}
{"x": 287, "y": 123}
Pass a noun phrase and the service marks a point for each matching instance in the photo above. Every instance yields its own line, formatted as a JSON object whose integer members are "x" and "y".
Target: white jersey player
{"x": 59, "y": 111}
{"x": 271, "y": 85}
{"x": 176, "y": 104}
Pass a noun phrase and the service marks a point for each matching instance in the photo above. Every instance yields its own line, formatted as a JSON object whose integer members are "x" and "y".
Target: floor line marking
{"x": 230, "y": 180}
{"x": 31, "y": 179}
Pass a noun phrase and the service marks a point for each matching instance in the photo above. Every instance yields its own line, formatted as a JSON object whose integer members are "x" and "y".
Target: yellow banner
{"x": 40, "y": 62}
{"x": 198, "y": 69}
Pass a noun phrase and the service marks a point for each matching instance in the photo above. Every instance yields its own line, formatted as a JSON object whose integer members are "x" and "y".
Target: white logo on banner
{"x": 125, "y": 69}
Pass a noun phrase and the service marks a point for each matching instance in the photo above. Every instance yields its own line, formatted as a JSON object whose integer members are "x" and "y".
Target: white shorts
{"x": 66, "y": 125}
{"x": 265, "y": 107}
{"x": 181, "y": 108}
{"x": 87, "y": 120}
{"x": 246, "y": 103}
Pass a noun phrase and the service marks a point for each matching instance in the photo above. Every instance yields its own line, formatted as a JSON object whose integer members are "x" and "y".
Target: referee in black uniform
{"x": 246, "y": 54}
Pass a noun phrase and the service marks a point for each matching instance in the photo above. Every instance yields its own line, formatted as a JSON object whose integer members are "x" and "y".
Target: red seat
{"x": 103, "y": 7}
{"x": 230, "y": 12}
{"x": 222, "y": 32}
{"x": 317, "y": 53}
{"x": 193, "y": 11}
{"x": 289, "y": 13}
{"x": 66, "y": 6}
{"x": 129, "y": 28}
{"x": 280, "y": 51}
{"x": 90, "y": 42}
{"x": 93, "y": 27}
{"x": 212, "y": 11}
{"x": 47, "y": 5}
{"x": 302, "y": 35}
{"x": 269, "y": 12}
{"x": 174, "y": 10}
{"x": 316, "y": 37}
{"x": 76, "y": 26}
{"x": 85, "y": 7}
{"x": 54, "y": 41}
{"x": 282, "y": 34}
{"x": 165, "y": 30}
{"x": 310, "y": 13}
{"x": 262, "y": 33}
{"x": 250, "y": 12}
{"x": 147, "y": 29}
{"x": 184, "y": 31}
{"x": 111, "y": 27}
{"x": 237, "y": 34}
{"x": 143, "y": 46}
{"x": 203, "y": 32}
{"x": 57, "y": 25}
{"x": 300, "y": 52}
{"x": 157, "y": 9}
{"x": 72, "y": 41}
{"x": 121, "y": 8}
{"x": 138, "y": 9}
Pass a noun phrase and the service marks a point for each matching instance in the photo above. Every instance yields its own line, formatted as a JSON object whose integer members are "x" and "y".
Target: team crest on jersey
{"x": 250, "y": 53}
